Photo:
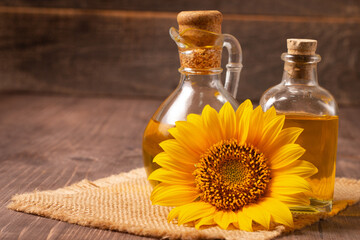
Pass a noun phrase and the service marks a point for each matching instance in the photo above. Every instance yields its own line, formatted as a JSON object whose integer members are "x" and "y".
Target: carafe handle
{"x": 234, "y": 65}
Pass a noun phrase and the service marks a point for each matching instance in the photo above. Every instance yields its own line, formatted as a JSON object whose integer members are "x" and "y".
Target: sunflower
{"x": 232, "y": 169}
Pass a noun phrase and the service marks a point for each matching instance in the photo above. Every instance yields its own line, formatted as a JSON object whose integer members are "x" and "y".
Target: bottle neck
{"x": 200, "y": 58}
{"x": 300, "y": 69}
{"x": 201, "y": 78}
{"x": 195, "y": 71}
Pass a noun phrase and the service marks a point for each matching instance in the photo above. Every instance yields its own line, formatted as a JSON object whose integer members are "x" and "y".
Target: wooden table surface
{"x": 47, "y": 142}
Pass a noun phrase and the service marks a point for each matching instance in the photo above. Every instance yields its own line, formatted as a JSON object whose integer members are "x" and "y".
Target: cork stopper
{"x": 301, "y": 46}
{"x": 205, "y": 48}
{"x": 301, "y": 69}
{"x": 205, "y": 20}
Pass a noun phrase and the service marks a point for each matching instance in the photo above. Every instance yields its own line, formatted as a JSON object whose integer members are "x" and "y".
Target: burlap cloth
{"x": 121, "y": 202}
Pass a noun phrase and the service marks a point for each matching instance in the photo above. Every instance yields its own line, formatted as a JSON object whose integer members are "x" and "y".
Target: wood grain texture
{"x": 48, "y": 142}
{"x": 102, "y": 52}
{"x": 276, "y": 7}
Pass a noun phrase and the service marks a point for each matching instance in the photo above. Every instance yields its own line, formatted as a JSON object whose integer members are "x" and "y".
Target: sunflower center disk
{"x": 231, "y": 176}
{"x": 233, "y": 171}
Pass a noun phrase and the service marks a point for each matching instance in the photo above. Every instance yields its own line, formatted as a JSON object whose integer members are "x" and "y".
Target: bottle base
{"x": 316, "y": 206}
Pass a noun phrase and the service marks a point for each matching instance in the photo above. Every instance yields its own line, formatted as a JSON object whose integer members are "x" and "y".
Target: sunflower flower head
{"x": 232, "y": 168}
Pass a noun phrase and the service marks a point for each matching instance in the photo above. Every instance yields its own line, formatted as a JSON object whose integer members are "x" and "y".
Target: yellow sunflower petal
{"x": 256, "y": 212}
{"x": 286, "y": 136}
{"x": 279, "y": 212}
{"x": 166, "y": 176}
{"x": 227, "y": 118}
{"x": 289, "y": 184}
{"x": 164, "y": 160}
{"x": 224, "y": 219}
{"x": 299, "y": 199}
{"x": 299, "y": 167}
{"x": 212, "y": 124}
{"x": 243, "y": 116}
{"x": 256, "y": 126}
{"x": 178, "y": 152}
{"x": 271, "y": 131}
{"x": 243, "y": 108}
{"x": 286, "y": 155}
{"x": 173, "y": 195}
{"x": 190, "y": 135}
{"x": 244, "y": 222}
{"x": 270, "y": 114}
{"x": 174, "y": 213}
{"x": 191, "y": 212}
{"x": 195, "y": 119}
{"x": 209, "y": 220}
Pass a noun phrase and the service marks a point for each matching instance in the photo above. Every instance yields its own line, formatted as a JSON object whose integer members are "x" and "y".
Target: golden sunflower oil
{"x": 319, "y": 138}
{"x": 154, "y": 134}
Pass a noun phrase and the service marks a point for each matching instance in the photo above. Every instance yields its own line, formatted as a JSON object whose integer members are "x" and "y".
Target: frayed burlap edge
{"x": 64, "y": 204}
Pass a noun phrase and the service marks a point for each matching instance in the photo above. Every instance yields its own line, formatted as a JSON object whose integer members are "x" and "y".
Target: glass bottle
{"x": 307, "y": 105}
{"x": 200, "y": 44}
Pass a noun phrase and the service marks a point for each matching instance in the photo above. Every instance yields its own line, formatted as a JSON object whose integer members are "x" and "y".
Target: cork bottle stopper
{"x": 301, "y": 46}
{"x": 205, "y": 20}
{"x": 205, "y": 53}
{"x": 300, "y": 69}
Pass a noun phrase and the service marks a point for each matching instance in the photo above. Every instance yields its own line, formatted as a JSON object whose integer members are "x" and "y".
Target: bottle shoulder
{"x": 188, "y": 98}
{"x": 309, "y": 99}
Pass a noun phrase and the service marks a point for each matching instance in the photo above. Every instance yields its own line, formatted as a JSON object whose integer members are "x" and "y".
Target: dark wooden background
{"x": 122, "y": 48}
{"x": 79, "y": 81}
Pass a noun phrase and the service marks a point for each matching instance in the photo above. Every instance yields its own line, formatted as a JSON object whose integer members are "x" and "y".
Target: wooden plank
{"x": 276, "y": 7}
{"x": 130, "y": 54}
{"x": 47, "y": 142}
{"x": 78, "y": 54}
{"x": 93, "y": 143}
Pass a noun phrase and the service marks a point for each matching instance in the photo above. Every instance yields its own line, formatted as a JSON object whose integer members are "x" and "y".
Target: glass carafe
{"x": 307, "y": 105}
{"x": 200, "y": 84}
